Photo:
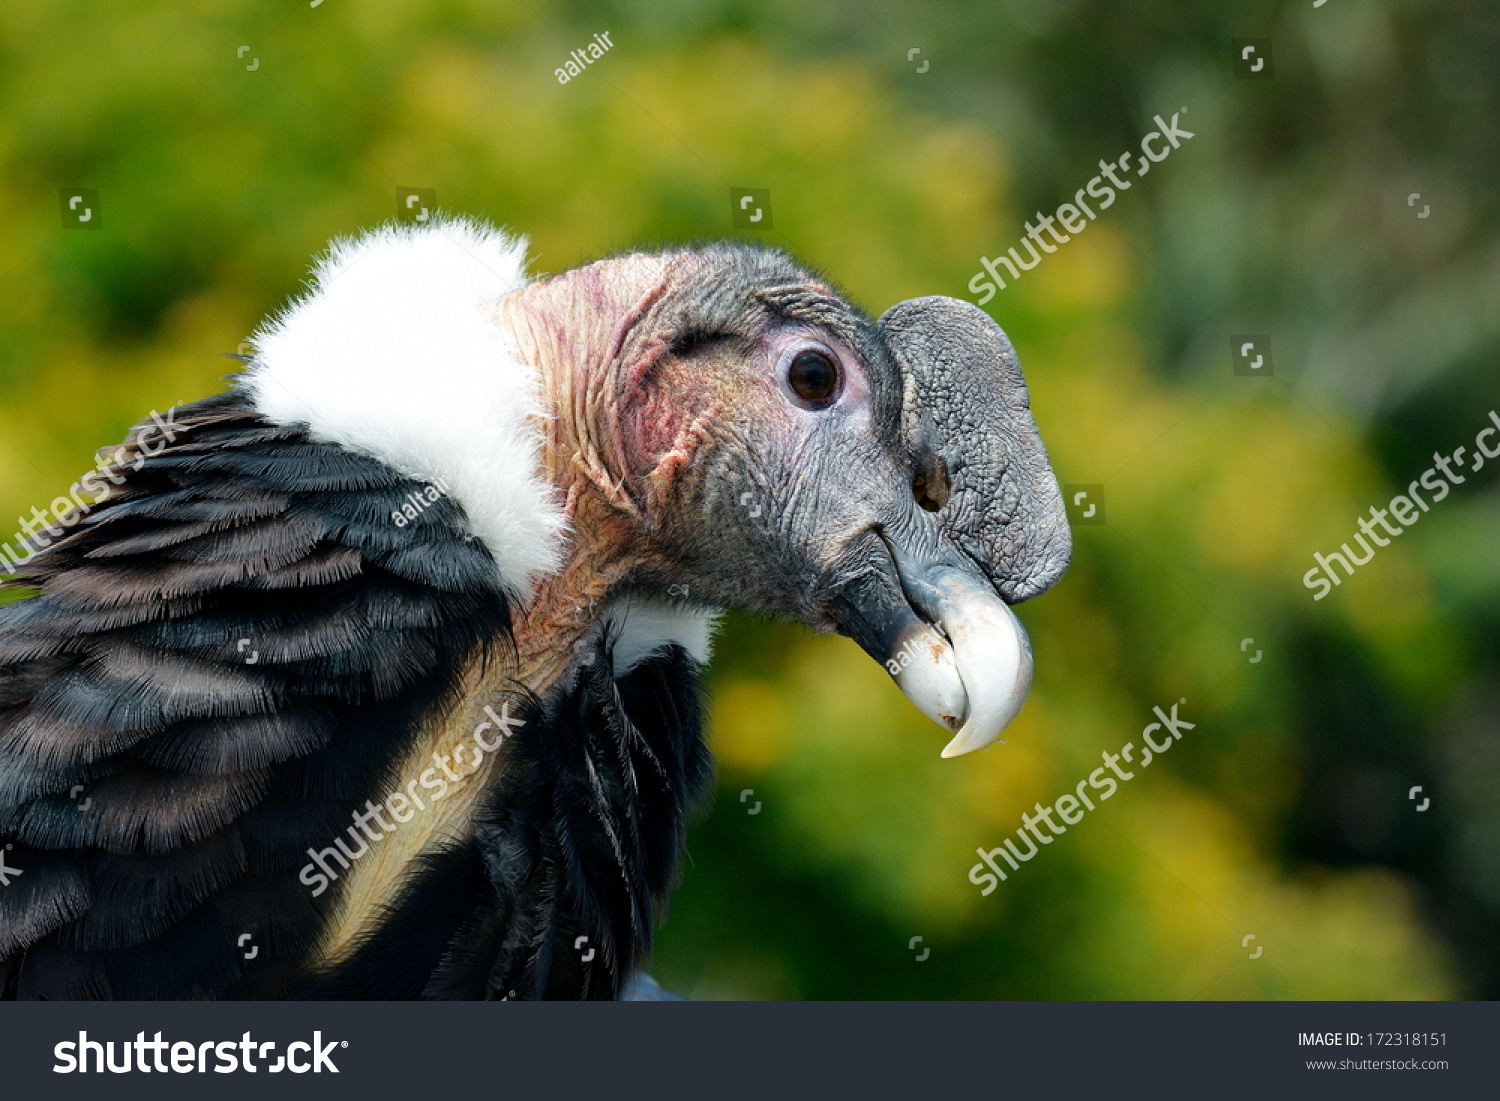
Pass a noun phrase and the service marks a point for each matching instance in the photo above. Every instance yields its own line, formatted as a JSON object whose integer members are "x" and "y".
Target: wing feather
{"x": 222, "y": 661}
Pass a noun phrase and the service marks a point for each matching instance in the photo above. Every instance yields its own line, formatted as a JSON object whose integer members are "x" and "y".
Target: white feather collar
{"x": 395, "y": 352}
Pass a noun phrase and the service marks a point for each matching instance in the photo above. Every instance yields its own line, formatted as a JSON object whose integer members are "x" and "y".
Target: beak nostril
{"x": 931, "y": 490}
{"x": 919, "y": 491}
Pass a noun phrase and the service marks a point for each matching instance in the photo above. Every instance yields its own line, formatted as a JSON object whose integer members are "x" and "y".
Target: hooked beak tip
{"x": 951, "y": 643}
{"x": 975, "y": 678}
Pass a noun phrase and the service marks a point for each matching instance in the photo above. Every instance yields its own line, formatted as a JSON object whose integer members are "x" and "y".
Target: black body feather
{"x": 227, "y": 656}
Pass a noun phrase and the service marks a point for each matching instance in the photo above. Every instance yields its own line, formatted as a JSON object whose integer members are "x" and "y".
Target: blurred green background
{"x": 1284, "y": 814}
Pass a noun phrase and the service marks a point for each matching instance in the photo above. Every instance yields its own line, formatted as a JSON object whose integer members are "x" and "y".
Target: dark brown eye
{"x": 813, "y": 376}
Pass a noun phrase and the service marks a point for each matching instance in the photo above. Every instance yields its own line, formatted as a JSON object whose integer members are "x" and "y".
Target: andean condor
{"x": 377, "y": 676}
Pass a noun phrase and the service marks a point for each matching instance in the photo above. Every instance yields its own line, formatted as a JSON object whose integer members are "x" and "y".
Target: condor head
{"x": 753, "y": 441}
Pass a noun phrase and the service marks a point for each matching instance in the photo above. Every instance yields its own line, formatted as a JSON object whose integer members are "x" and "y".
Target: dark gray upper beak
{"x": 967, "y": 418}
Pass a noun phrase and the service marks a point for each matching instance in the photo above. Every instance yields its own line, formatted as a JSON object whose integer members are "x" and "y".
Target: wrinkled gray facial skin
{"x": 907, "y": 511}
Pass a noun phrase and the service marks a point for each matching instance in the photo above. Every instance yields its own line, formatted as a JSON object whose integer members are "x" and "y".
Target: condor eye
{"x": 813, "y": 376}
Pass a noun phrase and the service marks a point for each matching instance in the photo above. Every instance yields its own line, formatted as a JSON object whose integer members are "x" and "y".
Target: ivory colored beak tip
{"x": 971, "y": 668}
{"x": 961, "y": 745}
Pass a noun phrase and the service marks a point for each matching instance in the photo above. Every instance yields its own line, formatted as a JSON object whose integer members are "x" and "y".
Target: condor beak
{"x": 934, "y": 607}
{"x": 988, "y": 654}
{"x": 954, "y": 648}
